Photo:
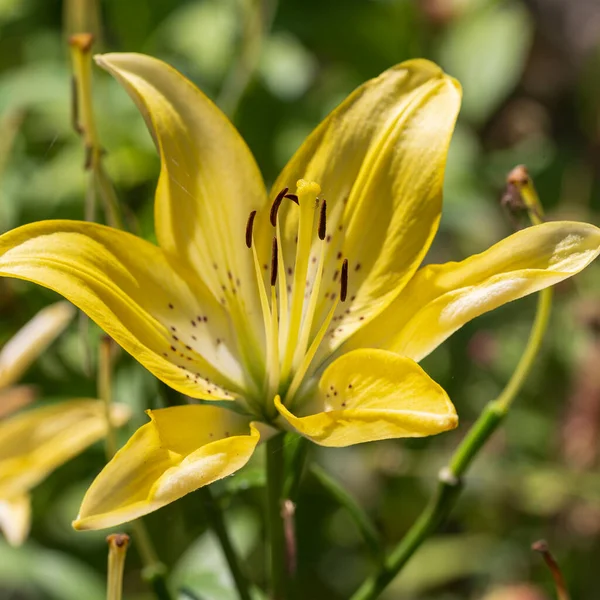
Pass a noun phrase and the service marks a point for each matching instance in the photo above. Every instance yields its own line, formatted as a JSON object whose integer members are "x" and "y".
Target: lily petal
{"x": 127, "y": 286}
{"x": 368, "y": 395}
{"x": 379, "y": 159}
{"x": 182, "y": 449}
{"x": 209, "y": 181}
{"x": 31, "y": 341}
{"x": 35, "y": 442}
{"x": 15, "y": 518}
{"x": 442, "y": 298}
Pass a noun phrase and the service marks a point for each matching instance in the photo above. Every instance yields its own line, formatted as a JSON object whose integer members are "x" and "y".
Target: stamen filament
{"x": 283, "y": 292}
{"x": 309, "y": 315}
{"x": 273, "y": 364}
{"x": 307, "y": 193}
{"x": 264, "y": 305}
{"x": 310, "y": 354}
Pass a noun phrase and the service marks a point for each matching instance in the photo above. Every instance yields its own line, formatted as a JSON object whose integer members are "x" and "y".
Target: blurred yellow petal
{"x": 379, "y": 159}
{"x": 182, "y": 449}
{"x": 15, "y": 518}
{"x": 126, "y": 285}
{"x": 35, "y": 442}
{"x": 32, "y": 339}
{"x": 209, "y": 181}
{"x": 442, "y": 298}
{"x": 369, "y": 395}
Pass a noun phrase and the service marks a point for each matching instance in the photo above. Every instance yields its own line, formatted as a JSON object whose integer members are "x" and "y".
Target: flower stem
{"x": 256, "y": 19}
{"x": 275, "y": 481}
{"x": 117, "y": 550}
{"x": 85, "y": 124}
{"x": 357, "y": 514}
{"x": 217, "y": 523}
{"x": 541, "y": 546}
{"x": 450, "y": 478}
{"x": 105, "y": 393}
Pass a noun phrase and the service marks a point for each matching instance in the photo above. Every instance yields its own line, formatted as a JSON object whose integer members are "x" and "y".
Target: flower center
{"x": 290, "y": 294}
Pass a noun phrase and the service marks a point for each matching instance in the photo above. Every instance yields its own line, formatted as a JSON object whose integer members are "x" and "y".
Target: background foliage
{"x": 530, "y": 72}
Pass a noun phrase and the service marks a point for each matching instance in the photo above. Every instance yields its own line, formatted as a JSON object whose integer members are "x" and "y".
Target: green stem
{"x": 430, "y": 519}
{"x": 105, "y": 393}
{"x": 296, "y": 469}
{"x": 154, "y": 572}
{"x": 449, "y": 482}
{"x": 357, "y": 514}
{"x": 275, "y": 481}
{"x": 256, "y": 19}
{"x": 217, "y": 523}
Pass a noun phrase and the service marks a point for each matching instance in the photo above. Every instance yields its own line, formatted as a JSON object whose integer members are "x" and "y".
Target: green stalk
{"x": 117, "y": 550}
{"x": 105, "y": 393}
{"x": 217, "y": 523}
{"x": 450, "y": 478}
{"x": 277, "y": 548}
{"x": 357, "y": 514}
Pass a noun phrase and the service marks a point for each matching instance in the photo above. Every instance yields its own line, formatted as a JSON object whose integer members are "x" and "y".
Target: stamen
{"x": 276, "y": 204}
{"x": 274, "y": 262}
{"x": 249, "y": 227}
{"x": 293, "y": 198}
{"x": 344, "y": 281}
{"x": 308, "y": 192}
{"x": 310, "y": 354}
{"x": 323, "y": 220}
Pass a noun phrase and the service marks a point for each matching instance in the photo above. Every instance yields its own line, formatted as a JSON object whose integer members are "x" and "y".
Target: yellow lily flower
{"x": 35, "y": 442}
{"x": 307, "y": 312}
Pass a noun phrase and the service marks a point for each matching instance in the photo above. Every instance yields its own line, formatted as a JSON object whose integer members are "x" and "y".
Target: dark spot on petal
{"x": 170, "y": 306}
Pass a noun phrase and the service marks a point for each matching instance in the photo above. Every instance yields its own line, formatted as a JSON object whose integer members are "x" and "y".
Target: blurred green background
{"x": 531, "y": 77}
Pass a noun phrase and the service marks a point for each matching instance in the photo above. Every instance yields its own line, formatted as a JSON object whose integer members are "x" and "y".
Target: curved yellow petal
{"x": 442, "y": 298}
{"x": 379, "y": 159}
{"x": 35, "y": 442}
{"x": 32, "y": 339}
{"x": 182, "y": 449}
{"x": 127, "y": 286}
{"x": 369, "y": 395}
{"x": 15, "y": 518}
{"x": 209, "y": 181}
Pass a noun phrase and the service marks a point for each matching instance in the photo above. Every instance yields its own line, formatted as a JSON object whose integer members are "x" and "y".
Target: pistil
{"x": 307, "y": 196}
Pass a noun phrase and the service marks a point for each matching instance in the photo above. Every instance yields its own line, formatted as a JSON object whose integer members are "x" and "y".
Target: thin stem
{"x": 105, "y": 393}
{"x": 429, "y": 520}
{"x": 356, "y": 513}
{"x": 296, "y": 468}
{"x": 256, "y": 21}
{"x": 275, "y": 480}
{"x": 449, "y": 480}
{"x": 562, "y": 592}
{"x": 117, "y": 550}
{"x": 84, "y": 123}
{"x": 217, "y": 523}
